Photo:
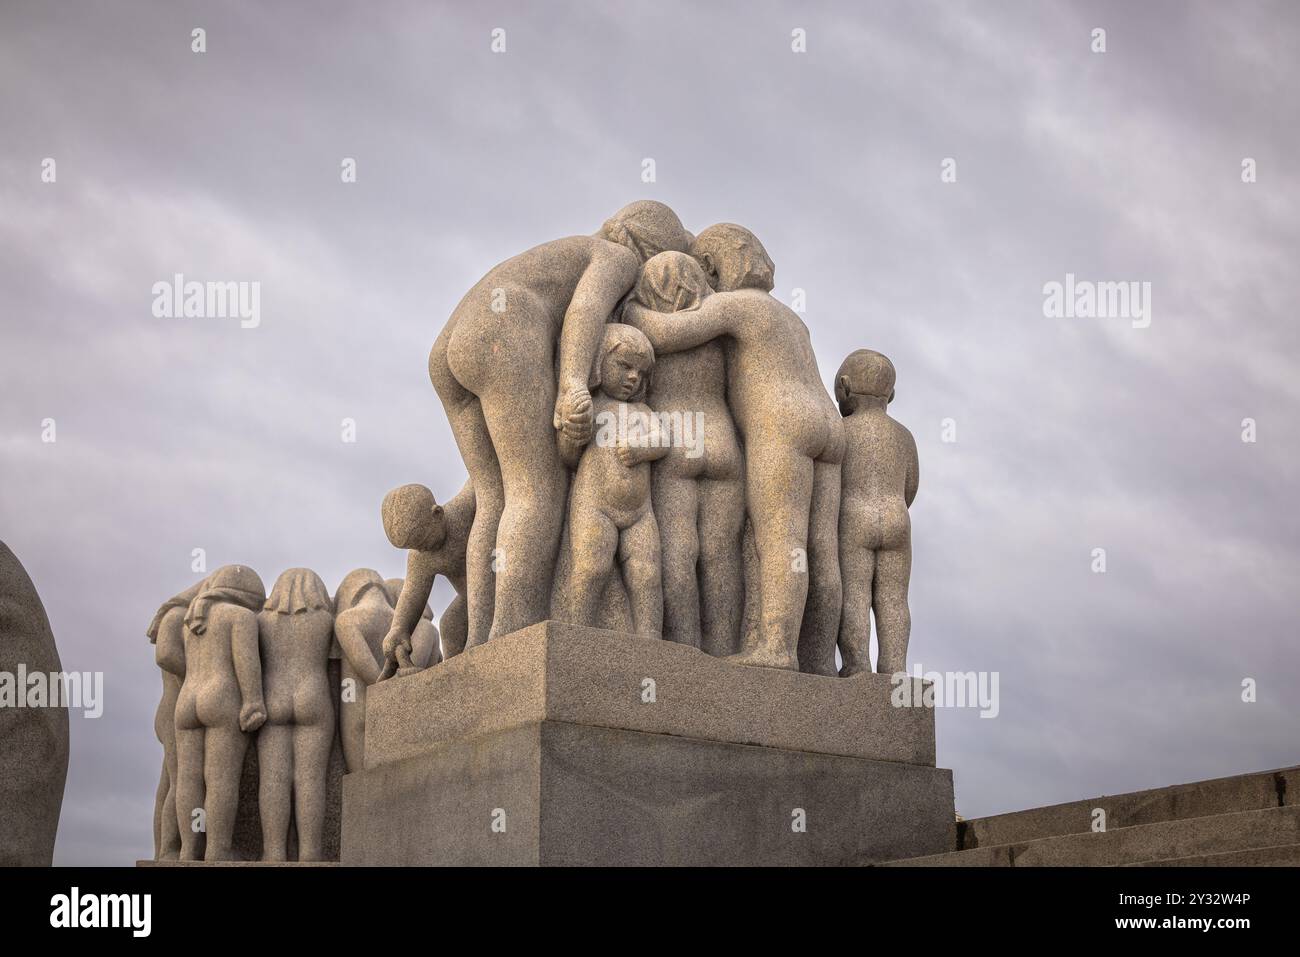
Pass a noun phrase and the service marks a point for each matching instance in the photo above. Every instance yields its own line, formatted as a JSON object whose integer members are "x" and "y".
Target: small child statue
{"x": 877, "y": 487}
{"x": 610, "y": 514}
{"x": 435, "y": 538}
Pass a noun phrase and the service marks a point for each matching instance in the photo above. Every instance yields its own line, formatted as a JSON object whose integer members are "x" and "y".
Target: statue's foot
{"x": 854, "y": 672}
{"x": 764, "y": 657}
{"x": 413, "y": 670}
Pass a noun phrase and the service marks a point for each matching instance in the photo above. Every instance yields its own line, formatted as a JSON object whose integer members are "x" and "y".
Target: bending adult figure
{"x": 698, "y": 490}
{"x": 794, "y": 444}
{"x": 532, "y": 319}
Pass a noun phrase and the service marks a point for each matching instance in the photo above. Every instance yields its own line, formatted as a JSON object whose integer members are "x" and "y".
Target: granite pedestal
{"x": 564, "y": 745}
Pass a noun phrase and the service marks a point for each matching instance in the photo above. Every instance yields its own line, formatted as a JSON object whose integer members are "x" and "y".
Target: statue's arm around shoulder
{"x": 672, "y": 332}
{"x": 248, "y": 669}
{"x": 609, "y": 275}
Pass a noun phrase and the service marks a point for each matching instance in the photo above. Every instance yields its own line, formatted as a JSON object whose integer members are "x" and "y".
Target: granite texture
{"x": 1238, "y": 832}
{"x": 512, "y": 368}
{"x": 792, "y": 434}
{"x": 563, "y": 672}
{"x": 563, "y": 794}
{"x": 878, "y": 483}
{"x": 33, "y": 740}
{"x": 1243, "y": 792}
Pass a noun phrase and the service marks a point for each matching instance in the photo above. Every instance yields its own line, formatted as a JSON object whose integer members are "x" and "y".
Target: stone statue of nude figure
{"x": 219, "y": 707}
{"x": 610, "y": 514}
{"x": 166, "y": 632}
{"x": 794, "y": 444}
{"x": 296, "y": 629}
{"x": 511, "y": 368}
{"x": 436, "y": 538}
{"x": 879, "y": 483}
{"x": 698, "y": 488}
{"x": 363, "y": 615}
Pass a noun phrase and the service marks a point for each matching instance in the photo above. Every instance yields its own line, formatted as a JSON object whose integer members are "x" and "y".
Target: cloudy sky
{"x": 1072, "y": 434}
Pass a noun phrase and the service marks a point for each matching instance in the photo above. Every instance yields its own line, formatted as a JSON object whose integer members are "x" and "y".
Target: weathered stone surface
{"x": 562, "y": 672}
{"x": 236, "y": 863}
{"x": 248, "y": 821}
{"x": 699, "y": 489}
{"x": 296, "y": 632}
{"x": 1139, "y": 844}
{"x": 566, "y": 794}
{"x": 1243, "y": 792}
{"x": 1286, "y": 855}
{"x": 612, "y": 527}
{"x": 878, "y": 484}
{"x": 793, "y": 439}
{"x": 514, "y": 384}
{"x": 33, "y": 741}
{"x": 166, "y": 633}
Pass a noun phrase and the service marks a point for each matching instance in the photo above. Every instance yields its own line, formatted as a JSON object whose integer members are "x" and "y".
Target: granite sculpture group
{"x": 650, "y": 449}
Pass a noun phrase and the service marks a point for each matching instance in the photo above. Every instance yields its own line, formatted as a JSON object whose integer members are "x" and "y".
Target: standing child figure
{"x": 296, "y": 629}
{"x": 877, "y": 488}
{"x": 610, "y": 515}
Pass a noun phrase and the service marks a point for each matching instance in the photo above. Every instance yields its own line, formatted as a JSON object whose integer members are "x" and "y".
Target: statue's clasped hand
{"x": 575, "y": 416}
{"x": 397, "y": 653}
{"x": 252, "y": 716}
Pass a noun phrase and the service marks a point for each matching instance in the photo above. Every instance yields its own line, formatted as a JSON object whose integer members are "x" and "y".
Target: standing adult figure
{"x": 296, "y": 629}
{"x": 698, "y": 488}
{"x": 219, "y": 707}
{"x": 793, "y": 438}
{"x": 532, "y": 320}
{"x": 166, "y": 633}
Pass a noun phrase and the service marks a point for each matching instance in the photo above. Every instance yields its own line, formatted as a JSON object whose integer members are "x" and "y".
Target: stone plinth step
{"x": 1242, "y": 792}
{"x": 1214, "y": 834}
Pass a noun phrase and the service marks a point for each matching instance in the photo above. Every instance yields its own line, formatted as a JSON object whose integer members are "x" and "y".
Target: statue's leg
{"x": 821, "y": 614}
{"x": 677, "y": 510}
{"x": 519, "y": 412}
{"x": 857, "y": 566}
{"x": 779, "y": 485}
{"x": 189, "y": 790}
{"x": 223, "y": 760}
{"x": 171, "y": 835}
{"x": 465, "y": 413}
{"x": 159, "y": 803}
{"x": 722, "y": 575}
{"x": 452, "y": 627}
{"x": 424, "y": 644}
{"x": 168, "y": 834}
{"x": 594, "y": 541}
{"x": 275, "y": 781}
{"x": 893, "y": 619}
{"x": 311, "y": 755}
{"x": 640, "y": 558}
{"x": 352, "y": 721}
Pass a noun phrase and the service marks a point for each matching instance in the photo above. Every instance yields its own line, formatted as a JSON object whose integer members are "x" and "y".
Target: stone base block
{"x": 559, "y": 672}
{"x": 555, "y": 793}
